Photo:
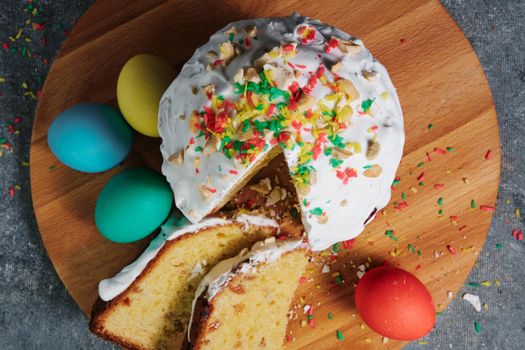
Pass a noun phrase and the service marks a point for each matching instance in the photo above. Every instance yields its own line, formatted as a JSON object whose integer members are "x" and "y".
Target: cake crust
{"x": 241, "y": 283}
{"x": 102, "y": 310}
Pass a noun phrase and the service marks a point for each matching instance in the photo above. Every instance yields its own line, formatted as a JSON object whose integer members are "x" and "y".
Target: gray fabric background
{"x": 36, "y": 312}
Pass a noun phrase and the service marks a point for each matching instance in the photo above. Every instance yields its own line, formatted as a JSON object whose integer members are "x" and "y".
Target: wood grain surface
{"x": 439, "y": 81}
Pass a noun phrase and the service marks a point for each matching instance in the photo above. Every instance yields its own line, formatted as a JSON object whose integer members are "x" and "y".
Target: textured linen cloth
{"x": 36, "y": 311}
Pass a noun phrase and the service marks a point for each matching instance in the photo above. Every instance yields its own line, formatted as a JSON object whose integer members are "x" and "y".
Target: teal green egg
{"x": 132, "y": 205}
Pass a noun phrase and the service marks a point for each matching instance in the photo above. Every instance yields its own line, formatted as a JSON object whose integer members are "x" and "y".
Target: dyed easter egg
{"x": 141, "y": 83}
{"x": 395, "y": 304}
{"x": 132, "y": 205}
{"x": 90, "y": 137}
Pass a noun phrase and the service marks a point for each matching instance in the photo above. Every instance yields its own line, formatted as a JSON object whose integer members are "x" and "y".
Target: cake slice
{"x": 148, "y": 304}
{"x": 243, "y": 302}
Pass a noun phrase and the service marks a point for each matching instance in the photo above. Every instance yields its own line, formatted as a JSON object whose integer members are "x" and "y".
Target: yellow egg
{"x": 140, "y": 86}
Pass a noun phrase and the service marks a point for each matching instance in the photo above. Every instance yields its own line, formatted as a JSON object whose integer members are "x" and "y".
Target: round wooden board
{"x": 439, "y": 80}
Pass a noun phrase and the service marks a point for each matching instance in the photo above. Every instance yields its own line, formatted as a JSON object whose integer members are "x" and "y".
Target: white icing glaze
{"x": 326, "y": 219}
{"x": 244, "y": 263}
{"x": 176, "y": 226}
{"x": 256, "y": 220}
{"x": 197, "y": 270}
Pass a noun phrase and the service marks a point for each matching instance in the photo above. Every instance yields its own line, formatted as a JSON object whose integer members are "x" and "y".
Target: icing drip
{"x": 176, "y": 226}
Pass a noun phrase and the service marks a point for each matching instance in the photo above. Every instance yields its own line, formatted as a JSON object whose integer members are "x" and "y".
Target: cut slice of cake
{"x": 148, "y": 304}
{"x": 238, "y": 293}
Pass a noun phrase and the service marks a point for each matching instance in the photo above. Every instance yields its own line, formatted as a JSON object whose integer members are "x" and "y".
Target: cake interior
{"x": 268, "y": 157}
{"x": 250, "y": 312}
{"x": 153, "y": 313}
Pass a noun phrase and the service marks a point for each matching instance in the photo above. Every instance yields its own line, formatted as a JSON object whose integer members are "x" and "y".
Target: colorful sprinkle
{"x": 487, "y": 208}
{"x": 390, "y": 234}
{"x": 477, "y": 327}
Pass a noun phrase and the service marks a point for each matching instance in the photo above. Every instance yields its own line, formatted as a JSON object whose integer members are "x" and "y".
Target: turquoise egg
{"x": 132, "y": 205}
{"x": 90, "y": 137}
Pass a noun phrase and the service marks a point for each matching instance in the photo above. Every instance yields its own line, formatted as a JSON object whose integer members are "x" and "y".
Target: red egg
{"x": 395, "y": 304}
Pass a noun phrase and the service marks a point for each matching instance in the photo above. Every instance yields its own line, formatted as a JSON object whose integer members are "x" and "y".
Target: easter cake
{"x": 287, "y": 85}
{"x": 237, "y": 293}
{"x": 148, "y": 304}
{"x": 302, "y": 96}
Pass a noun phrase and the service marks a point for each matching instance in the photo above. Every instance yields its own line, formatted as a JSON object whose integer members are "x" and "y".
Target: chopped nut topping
{"x": 313, "y": 178}
{"x": 341, "y": 153}
{"x": 263, "y": 187}
{"x": 227, "y": 52}
{"x": 211, "y": 146}
{"x": 242, "y": 135}
{"x": 373, "y": 150}
{"x": 278, "y": 75}
{"x": 348, "y": 88}
{"x": 250, "y": 30}
{"x": 194, "y": 121}
{"x": 177, "y": 158}
{"x": 208, "y": 89}
{"x": 305, "y": 103}
{"x": 302, "y": 189}
{"x": 212, "y": 55}
{"x": 323, "y": 219}
{"x": 232, "y": 30}
{"x": 238, "y": 49}
{"x": 252, "y": 75}
{"x": 194, "y": 90}
{"x": 260, "y": 62}
{"x": 345, "y": 114}
{"x": 374, "y": 171}
{"x": 274, "y": 196}
{"x": 336, "y": 68}
{"x": 239, "y": 76}
{"x": 205, "y": 192}
{"x": 369, "y": 75}
{"x": 344, "y": 203}
{"x": 348, "y": 46}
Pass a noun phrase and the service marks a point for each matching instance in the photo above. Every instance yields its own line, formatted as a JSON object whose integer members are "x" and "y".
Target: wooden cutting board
{"x": 445, "y": 98}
